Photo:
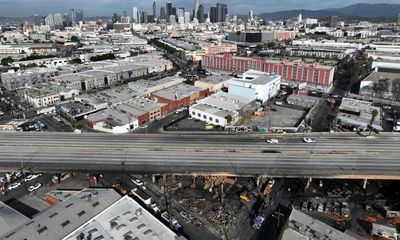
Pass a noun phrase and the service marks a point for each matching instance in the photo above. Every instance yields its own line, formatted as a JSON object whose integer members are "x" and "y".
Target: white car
{"x": 155, "y": 208}
{"x": 14, "y": 185}
{"x": 34, "y": 187}
{"x": 272, "y": 140}
{"x": 138, "y": 182}
{"x": 31, "y": 177}
{"x": 308, "y": 140}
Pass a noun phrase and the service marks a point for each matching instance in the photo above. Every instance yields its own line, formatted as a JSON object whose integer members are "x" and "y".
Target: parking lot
{"x": 278, "y": 117}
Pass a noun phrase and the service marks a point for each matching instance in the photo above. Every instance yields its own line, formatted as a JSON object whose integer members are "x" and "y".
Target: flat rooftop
{"x": 376, "y": 76}
{"x": 10, "y": 219}
{"x": 139, "y": 106}
{"x": 125, "y": 219}
{"x": 111, "y": 117}
{"x": 66, "y": 216}
{"x": 311, "y": 228}
{"x": 177, "y": 92}
{"x": 144, "y": 85}
{"x": 114, "y": 95}
{"x": 255, "y": 77}
{"x": 213, "y": 110}
{"x": 215, "y": 79}
{"x": 226, "y": 101}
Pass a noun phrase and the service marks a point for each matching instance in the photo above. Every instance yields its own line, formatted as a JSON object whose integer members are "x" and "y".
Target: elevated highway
{"x": 330, "y": 157}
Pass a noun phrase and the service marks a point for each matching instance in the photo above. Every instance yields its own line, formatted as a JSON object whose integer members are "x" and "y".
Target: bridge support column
{"x": 365, "y": 183}
{"x": 308, "y": 183}
{"x": 153, "y": 178}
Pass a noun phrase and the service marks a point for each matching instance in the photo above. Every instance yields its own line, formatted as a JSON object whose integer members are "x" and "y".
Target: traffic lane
{"x": 214, "y": 143}
{"x": 200, "y": 137}
{"x": 193, "y": 162}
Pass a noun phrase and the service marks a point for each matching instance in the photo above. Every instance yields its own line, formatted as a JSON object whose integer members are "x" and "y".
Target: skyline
{"x": 25, "y": 8}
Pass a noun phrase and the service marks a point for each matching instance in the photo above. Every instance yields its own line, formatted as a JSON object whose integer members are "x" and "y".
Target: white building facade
{"x": 255, "y": 85}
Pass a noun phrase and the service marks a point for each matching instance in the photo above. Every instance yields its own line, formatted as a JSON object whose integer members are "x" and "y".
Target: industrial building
{"x": 91, "y": 214}
{"x": 358, "y": 113}
{"x": 146, "y": 87}
{"x": 178, "y": 96}
{"x": 216, "y": 108}
{"x": 112, "y": 121}
{"x": 303, "y": 226}
{"x": 255, "y": 85}
{"x": 213, "y": 83}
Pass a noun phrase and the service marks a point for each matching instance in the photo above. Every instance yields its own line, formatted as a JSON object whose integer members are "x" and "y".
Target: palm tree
{"x": 374, "y": 113}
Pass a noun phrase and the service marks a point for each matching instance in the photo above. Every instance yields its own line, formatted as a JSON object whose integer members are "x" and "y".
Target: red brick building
{"x": 316, "y": 76}
{"x": 178, "y": 96}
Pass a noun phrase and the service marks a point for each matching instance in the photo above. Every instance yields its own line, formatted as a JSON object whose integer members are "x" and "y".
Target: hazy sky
{"x": 12, "y": 8}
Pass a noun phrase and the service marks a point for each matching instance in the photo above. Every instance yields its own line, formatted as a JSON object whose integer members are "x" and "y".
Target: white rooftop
{"x": 66, "y": 216}
{"x": 125, "y": 219}
{"x": 225, "y": 101}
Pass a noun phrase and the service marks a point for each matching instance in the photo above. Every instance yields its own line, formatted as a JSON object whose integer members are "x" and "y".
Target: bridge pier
{"x": 365, "y": 183}
{"x": 153, "y": 179}
{"x": 308, "y": 183}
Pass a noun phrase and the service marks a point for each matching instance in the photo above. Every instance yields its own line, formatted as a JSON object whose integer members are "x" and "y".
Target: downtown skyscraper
{"x": 155, "y": 10}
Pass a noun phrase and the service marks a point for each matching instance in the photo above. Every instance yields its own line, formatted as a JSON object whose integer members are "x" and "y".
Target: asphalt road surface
{"x": 340, "y": 156}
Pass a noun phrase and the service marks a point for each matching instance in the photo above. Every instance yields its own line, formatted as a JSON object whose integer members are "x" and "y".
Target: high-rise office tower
{"x": 222, "y": 10}
{"x": 251, "y": 16}
{"x": 72, "y": 17}
{"x": 49, "y": 20}
{"x": 124, "y": 13}
{"x": 115, "y": 18}
{"x": 37, "y": 19}
{"x": 135, "y": 15}
{"x": 67, "y": 20}
{"x": 196, "y": 9}
{"x": 213, "y": 14}
{"x": 79, "y": 15}
{"x": 58, "y": 21}
{"x": 155, "y": 9}
{"x": 168, "y": 8}
{"x": 187, "y": 17}
{"x": 163, "y": 14}
{"x": 145, "y": 17}
{"x": 300, "y": 18}
{"x": 173, "y": 11}
{"x": 200, "y": 14}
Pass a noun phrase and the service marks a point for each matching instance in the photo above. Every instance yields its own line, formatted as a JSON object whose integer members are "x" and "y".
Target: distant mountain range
{"x": 362, "y": 10}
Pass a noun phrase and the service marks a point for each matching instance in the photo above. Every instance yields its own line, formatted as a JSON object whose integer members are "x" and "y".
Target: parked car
{"x": 34, "y": 187}
{"x": 138, "y": 182}
{"x": 32, "y": 177}
{"x": 309, "y": 140}
{"x": 14, "y": 185}
{"x": 155, "y": 208}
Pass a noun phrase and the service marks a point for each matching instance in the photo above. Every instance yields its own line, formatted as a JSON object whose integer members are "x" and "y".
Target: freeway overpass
{"x": 347, "y": 156}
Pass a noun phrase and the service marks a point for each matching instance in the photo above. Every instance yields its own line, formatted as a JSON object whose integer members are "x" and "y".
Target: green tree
{"x": 6, "y": 61}
{"x": 75, "y": 61}
{"x": 75, "y": 39}
{"x": 374, "y": 113}
{"x": 396, "y": 89}
{"x": 229, "y": 118}
{"x": 271, "y": 44}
